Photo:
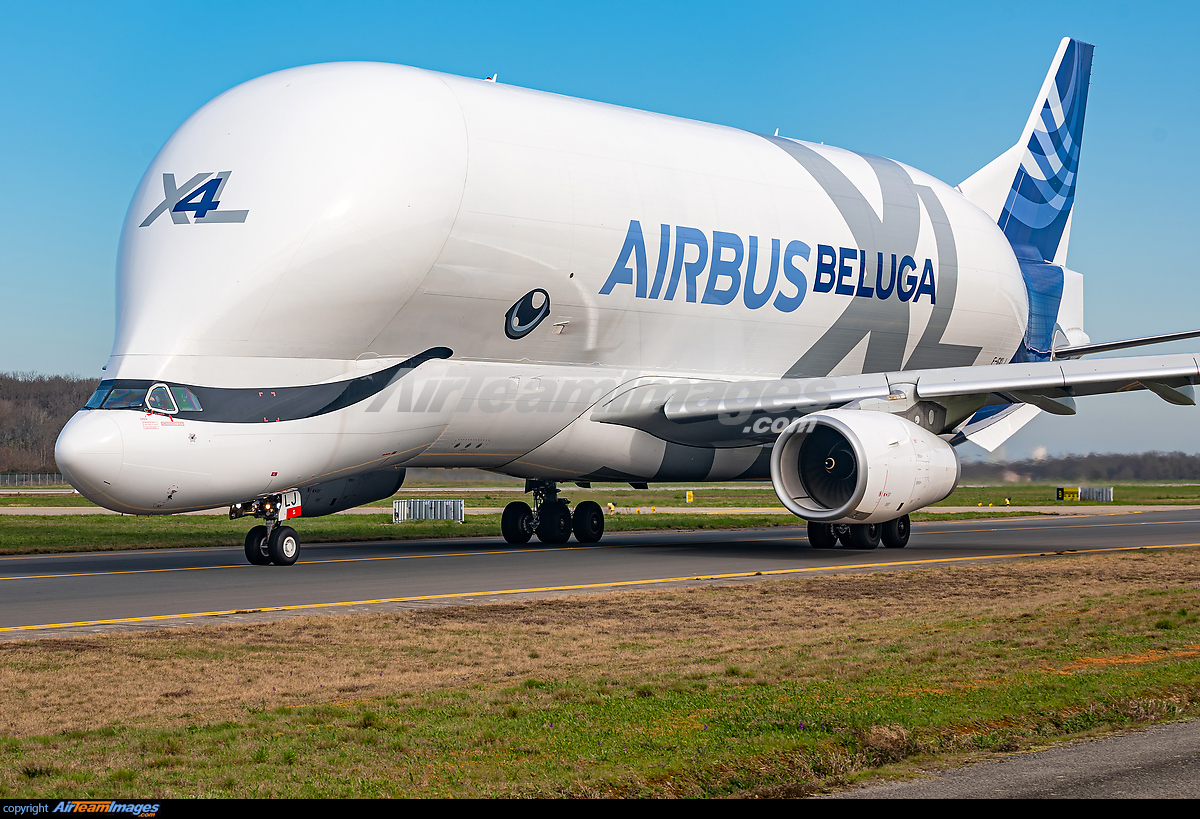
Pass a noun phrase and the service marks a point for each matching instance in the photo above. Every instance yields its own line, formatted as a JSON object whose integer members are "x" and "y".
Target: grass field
{"x": 33, "y": 534}
{"x": 764, "y": 495}
{"x": 25, "y": 534}
{"x": 768, "y": 688}
{"x": 754, "y": 494}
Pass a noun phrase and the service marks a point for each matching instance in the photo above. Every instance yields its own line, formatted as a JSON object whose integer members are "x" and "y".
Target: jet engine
{"x": 854, "y": 466}
{"x": 346, "y": 493}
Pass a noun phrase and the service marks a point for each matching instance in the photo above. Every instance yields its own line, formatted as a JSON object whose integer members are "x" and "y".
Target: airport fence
{"x": 31, "y": 479}
{"x": 1092, "y": 493}
{"x": 403, "y": 510}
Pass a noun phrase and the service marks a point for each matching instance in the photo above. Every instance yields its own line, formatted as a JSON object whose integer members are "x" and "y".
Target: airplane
{"x": 336, "y": 272}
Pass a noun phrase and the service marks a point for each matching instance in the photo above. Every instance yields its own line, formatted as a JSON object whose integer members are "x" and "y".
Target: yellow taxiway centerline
{"x": 577, "y": 587}
{"x": 508, "y": 551}
{"x": 305, "y": 563}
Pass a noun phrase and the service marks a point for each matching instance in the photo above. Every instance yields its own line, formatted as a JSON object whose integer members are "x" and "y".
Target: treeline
{"x": 33, "y": 410}
{"x": 1093, "y": 468}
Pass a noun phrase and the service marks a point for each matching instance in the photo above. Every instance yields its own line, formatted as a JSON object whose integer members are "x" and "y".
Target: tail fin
{"x": 1029, "y": 189}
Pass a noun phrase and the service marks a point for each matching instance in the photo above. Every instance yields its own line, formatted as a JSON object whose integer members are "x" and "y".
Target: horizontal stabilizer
{"x": 994, "y": 430}
{"x": 1111, "y": 346}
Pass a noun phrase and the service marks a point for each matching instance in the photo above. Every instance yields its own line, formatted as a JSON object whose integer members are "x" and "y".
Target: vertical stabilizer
{"x": 1029, "y": 189}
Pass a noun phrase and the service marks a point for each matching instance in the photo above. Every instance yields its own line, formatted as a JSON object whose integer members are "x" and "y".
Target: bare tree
{"x": 33, "y": 410}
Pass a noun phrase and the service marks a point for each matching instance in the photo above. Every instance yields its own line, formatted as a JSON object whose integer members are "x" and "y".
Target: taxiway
{"x": 61, "y": 594}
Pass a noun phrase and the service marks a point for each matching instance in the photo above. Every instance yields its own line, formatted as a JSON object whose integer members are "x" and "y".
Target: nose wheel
{"x": 283, "y": 545}
{"x": 268, "y": 543}
{"x": 277, "y": 544}
{"x": 256, "y": 546}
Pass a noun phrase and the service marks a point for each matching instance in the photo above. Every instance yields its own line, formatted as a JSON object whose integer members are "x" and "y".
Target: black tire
{"x": 821, "y": 535}
{"x": 895, "y": 533}
{"x": 516, "y": 524}
{"x": 256, "y": 546}
{"x": 863, "y": 536}
{"x": 284, "y": 546}
{"x": 588, "y": 522}
{"x": 554, "y": 523}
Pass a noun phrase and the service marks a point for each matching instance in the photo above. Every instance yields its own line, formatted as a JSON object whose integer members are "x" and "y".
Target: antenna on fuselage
{"x": 493, "y": 77}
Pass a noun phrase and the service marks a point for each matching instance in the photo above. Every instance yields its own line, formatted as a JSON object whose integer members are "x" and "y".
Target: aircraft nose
{"x": 90, "y": 452}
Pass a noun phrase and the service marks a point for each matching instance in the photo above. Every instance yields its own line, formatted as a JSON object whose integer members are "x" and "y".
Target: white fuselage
{"x": 372, "y": 212}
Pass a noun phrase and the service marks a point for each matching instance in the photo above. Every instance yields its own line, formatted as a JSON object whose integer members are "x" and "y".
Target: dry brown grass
{"x": 762, "y": 631}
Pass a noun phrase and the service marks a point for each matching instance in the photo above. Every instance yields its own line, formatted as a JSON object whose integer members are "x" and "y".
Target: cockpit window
{"x": 126, "y": 398}
{"x": 99, "y": 395}
{"x": 160, "y": 400}
{"x": 156, "y": 398}
{"x": 186, "y": 400}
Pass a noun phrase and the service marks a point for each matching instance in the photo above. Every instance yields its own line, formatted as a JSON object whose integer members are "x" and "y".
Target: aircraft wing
{"x": 715, "y": 413}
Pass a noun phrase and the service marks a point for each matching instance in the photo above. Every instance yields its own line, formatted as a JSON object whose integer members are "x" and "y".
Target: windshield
{"x": 186, "y": 399}
{"x": 98, "y": 396}
{"x": 126, "y": 398}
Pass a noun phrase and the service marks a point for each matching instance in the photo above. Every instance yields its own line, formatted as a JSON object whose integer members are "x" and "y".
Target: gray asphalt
{"x": 1162, "y": 762}
{"x": 41, "y": 594}
{"x": 61, "y": 595}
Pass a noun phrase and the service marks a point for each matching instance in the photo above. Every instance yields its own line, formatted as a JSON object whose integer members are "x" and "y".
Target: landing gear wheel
{"x": 863, "y": 536}
{"x": 284, "y": 546}
{"x": 256, "y": 546}
{"x": 842, "y": 532}
{"x": 588, "y": 522}
{"x": 821, "y": 535}
{"x": 554, "y": 523}
{"x": 895, "y": 532}
{"x": 516, "y": 524}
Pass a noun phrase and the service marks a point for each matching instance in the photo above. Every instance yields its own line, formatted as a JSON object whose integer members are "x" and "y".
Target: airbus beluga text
{"x": 332, "y": 273}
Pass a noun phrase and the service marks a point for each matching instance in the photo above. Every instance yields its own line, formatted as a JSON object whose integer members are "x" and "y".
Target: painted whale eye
{"x": 526, "y": 314}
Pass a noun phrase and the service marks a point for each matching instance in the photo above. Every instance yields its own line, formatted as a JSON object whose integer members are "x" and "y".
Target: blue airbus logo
{"x": 845, "y": 271}
{"x": 199, "y": 196}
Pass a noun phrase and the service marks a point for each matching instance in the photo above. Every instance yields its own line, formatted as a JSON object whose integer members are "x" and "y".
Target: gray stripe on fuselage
{"x": 886, "y": 321}
{"x": 685, "y": 463}
{"x": 760, "y": 470}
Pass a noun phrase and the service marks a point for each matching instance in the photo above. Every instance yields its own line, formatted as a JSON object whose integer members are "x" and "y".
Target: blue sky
{"x": 91, "y": 91}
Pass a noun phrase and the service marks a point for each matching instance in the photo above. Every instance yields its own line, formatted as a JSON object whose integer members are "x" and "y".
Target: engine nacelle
{"x": 852, "y": 466}
{"x": 346, "y": 493}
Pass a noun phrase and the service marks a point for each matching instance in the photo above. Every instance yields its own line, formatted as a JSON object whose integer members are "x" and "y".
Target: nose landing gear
{"x": 270, "y": 543}
{"x": 553, "y": 522}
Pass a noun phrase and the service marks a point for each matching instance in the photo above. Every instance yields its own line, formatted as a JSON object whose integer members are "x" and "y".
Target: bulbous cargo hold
{"x": 312, "y": 221}
{"x": 333, "y": 190}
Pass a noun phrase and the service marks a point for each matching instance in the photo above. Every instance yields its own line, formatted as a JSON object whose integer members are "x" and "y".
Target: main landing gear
{"x": 893, "y": 534}
{"x": 268, "y": 543}
{"x": 553, "y": 522}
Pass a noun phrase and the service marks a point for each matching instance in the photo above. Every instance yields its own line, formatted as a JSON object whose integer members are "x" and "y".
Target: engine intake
{"x": 851, "y": 466}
